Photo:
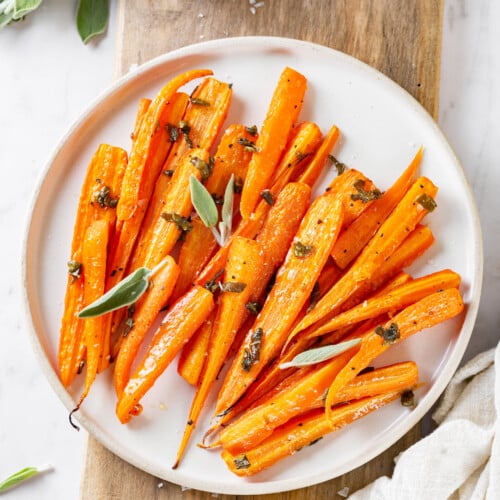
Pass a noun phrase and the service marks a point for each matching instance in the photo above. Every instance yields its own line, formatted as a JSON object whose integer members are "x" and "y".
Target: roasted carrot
{"x": 194, "y": 353}
{"x": 146, "y": 144}
{"x": 145, "y": 312}
{"x": 283, "y": 111}
{"x": 295, "y": 280}
{"x": 302, "y": 431}
{"x": 306, "y": 394}
{"x": 180, "y": 323}
{"x": 142, "y": 109}
{"x": 199, "y": 128}
{"x": 244, "y": 264}
{"x": 425, "y": 313}
{"x": 129, "y": 229}
{"x": 403, "y": 219}
{"x": 392, "y": 301}
{"x": 165, "y": 231}
{"x": 94, "y": 253}
{"x": 197, "y": 248}
{"x": 311, "y": 174}
{"x": 356, "y": 236}
{"x": 99, "y": 190}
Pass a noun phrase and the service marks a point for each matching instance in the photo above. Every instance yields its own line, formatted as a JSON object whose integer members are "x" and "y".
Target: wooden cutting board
{"x": 401, "y": 38}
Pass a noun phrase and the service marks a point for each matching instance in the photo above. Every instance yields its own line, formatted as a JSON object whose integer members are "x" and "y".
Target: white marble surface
{"x": 47, "y": 77}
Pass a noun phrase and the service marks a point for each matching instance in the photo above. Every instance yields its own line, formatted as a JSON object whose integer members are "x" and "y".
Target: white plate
{"x": 382, "y": 126}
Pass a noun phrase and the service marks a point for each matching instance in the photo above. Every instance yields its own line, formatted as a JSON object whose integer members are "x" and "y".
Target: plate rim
{"x": 394, "y": 434}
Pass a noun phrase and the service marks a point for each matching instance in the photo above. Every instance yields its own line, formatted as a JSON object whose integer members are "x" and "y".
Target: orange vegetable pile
{"x": 296, "y": 273}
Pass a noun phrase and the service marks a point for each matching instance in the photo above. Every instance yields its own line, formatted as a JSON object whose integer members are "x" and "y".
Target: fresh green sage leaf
{"x": 227, "y": 207}
{"x": 24, "y": 7}
{"x": 124, "y": 293}
{"x": 92, "y": 18}
{"x": 20, "y": 476}
{"x": 203, "y": 202}
{"x": 319, "y": 354}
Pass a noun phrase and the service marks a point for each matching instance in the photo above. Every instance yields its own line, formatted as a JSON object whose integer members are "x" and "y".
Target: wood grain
{"x": 401, "y": 38}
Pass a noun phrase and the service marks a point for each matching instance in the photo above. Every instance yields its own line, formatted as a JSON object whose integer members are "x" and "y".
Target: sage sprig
{"x": 124, "y": 293}
{"x": 206, "y": 208}
{"x": 22, "y": 475}
{"x": 319, "y": 354}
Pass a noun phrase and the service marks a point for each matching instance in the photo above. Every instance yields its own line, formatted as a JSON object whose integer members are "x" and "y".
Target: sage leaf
{"x": 227, "y": 207}
{"x": 203, "y": 202}
{"x": 124, "y": 293}
{"x": 319, "y": 354}
{"x": 24, "y": 7}
{"x": 92, "y": 18}
{"x": 20, "y": 476}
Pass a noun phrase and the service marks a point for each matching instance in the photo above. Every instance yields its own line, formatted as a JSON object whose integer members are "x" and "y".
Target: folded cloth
{"x": 461, "y": 458}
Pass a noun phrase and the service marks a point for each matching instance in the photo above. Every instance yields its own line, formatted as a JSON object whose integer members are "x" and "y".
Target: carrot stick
{"x": 197, "y": 248}
{"x": 314, "y": 169}
{"x": 129, "y": 229}
{"x": 404, "y": 218}
{"x": 295, "y": 280}
{"x": 425, "y": 313}
{"x": 357, "y": 235}
{"x": 306, "y": 394}
{"x": 302, "y": 431}
{"x": 145, "y": 312}
{"x": 165, "y": 233}
{"x": 392, "y": 301}
{"x": 104, "y": 172}
{"x": 180, "y": 323}
{"x": 94, "y": 253}
{"x": 194, "y": 353}
{"x": 283, "y": 111}
{"x": 243, "y": 266}
{"x": 201, "y": 124}
{"x": 142, "y": 109}
{"x": 146, "y": 144}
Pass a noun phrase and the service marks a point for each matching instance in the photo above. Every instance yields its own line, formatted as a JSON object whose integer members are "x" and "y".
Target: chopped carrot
{"x": 295, "y": 281}
{"x": 357, "y": 234}
{"x": 425, "y": 313}
{"x": 283, "y": 111}
{"x": 313, "y": 171}
{"x": 100, "y": 187}
{"x": 180, "y": 323}
{"x": 145, "y": 312}
{"x": 302, "y": 431}
{"x": 146, "y": 144}
{"x": 244, "y": 265}
{"x": 307, "y": 392}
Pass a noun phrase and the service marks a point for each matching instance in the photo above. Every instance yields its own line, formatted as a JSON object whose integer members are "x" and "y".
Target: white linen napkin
{"x": 461, "y": 458}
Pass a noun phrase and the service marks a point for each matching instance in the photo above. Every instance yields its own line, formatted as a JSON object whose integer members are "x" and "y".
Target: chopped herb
{"x": 253, "y": 307}
{"x": 103, "y": 197}
{"x": 241, "y": 462}
{"x": 233, "y": 286}
{"x": 185, "y": 129}
{"x": 129, "y": 324}
{"x": 427, "y": 202}
{"x": 204, "y": 167}
{"x": 341, "y": 167}
{"x": 238, "y": 184}
{"x": 300, "y": 156}
{"x": 252, "y": 353}
{"x": 362, "y": 194}
{"x": 173, "y": 132}
{"x": 408, "y": 398}
{"x": 183, "y": 223}
{"x": 390, "y": 335}
{"x": 248, "y": 145}
{"x": 252, "y": 130}
{"x": 213, "y": 284}
{"x": 314, "y": 297}
{"x": 75, "y": 269}
{"x": 169, "y": 173}
{"x": 219, "y": 200}
{"x": 198, "y": 102}
{"x": 267, "y": 196}
{"x": 300, "y": 250}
